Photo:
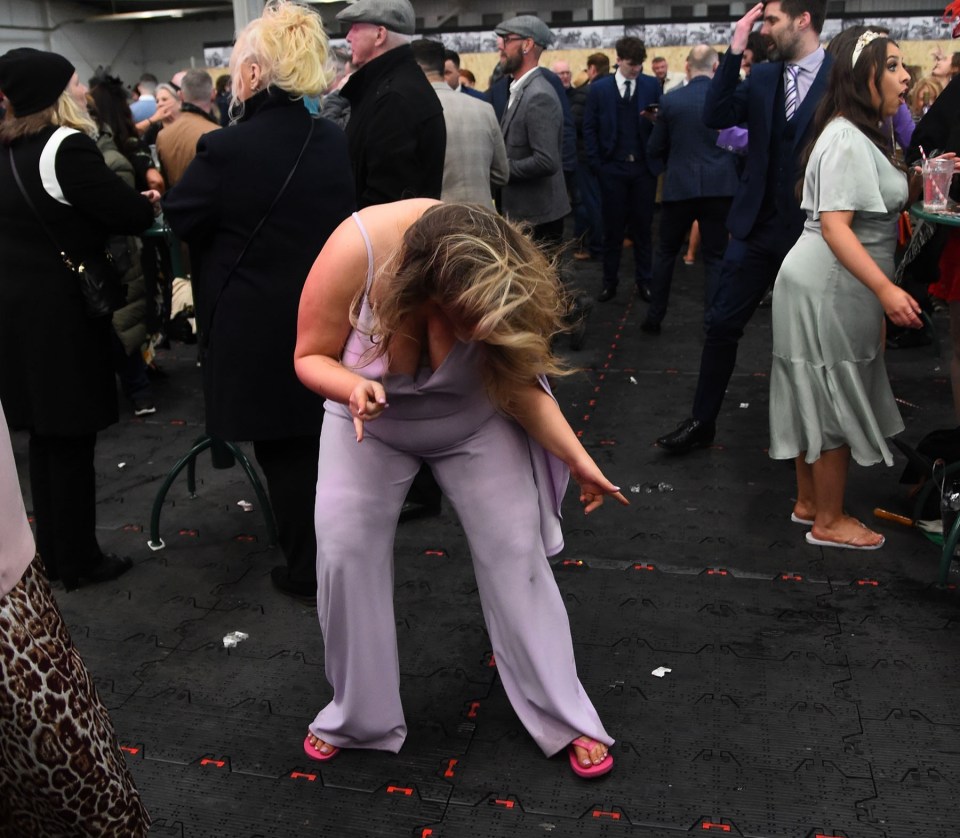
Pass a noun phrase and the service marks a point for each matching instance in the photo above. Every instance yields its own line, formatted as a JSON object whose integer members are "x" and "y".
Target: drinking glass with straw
{"x": 940, "y": 195}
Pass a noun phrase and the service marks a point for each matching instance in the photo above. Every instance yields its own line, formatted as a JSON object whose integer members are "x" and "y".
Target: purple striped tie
{"x": 791, "y": 92}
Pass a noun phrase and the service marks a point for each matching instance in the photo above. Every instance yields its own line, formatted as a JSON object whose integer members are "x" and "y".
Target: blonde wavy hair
{"x": 487, "y": 276}
{"x": 65, "y": 111}
{"x": 923, "y": 93}
{"x": 289, "y": 44}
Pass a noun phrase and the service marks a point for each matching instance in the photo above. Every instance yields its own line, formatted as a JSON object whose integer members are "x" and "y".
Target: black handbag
{"x": 99, "y": 276}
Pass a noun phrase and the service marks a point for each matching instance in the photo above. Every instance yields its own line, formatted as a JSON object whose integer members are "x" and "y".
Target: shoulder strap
{"x": 266, "y": 215}
{"x": 366, "y": 241}
{"x": 33, "y": 209}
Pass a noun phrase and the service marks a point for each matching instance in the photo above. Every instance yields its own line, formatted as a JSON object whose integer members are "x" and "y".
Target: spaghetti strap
{"x": 366, "y": 241}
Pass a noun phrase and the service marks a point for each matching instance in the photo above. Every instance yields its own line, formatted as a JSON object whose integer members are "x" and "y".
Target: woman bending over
{"x": 427, "y": 327}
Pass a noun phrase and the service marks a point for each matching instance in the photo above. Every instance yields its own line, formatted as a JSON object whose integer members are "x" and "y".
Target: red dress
{"x": 948, "y": 286}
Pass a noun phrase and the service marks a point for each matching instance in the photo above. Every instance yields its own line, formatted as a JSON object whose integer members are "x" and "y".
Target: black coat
{"x": 249, "y": 318}
{"x": 56, "y": 368}
{"x": 939, "y": 130}
{"x": 396, "y": 130}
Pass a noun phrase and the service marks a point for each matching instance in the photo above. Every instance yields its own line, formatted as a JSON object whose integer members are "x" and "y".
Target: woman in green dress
{"x": 830, "y": 398}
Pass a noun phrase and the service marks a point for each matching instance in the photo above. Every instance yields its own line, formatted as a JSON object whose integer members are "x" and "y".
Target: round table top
{"x": 951, "y": 218}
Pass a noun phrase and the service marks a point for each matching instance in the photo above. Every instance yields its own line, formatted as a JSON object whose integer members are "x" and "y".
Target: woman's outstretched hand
{"x": 367, "y": 402}
{"x": 594, "y": 486}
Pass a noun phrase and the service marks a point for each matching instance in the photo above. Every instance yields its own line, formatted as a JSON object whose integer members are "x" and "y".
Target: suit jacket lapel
{"x": 511, "y": 110}
{"x": 770, "y": 98}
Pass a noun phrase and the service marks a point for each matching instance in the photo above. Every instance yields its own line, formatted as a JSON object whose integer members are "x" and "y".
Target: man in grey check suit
{"x": 475, "y": 156}
{"x": 532, "y": 126}
{"x": 698, "y": 185}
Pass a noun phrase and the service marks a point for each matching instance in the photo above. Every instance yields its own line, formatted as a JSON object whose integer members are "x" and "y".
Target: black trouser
{"x": 290, "y": 471}
{"x": 676, "y": 217}
{"x": 627, "y": 195}
{"x": 63, "y": 486}
{"x": 748, "y": 270}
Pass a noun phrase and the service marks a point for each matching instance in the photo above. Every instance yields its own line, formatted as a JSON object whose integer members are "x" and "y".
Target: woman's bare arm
{"x": 323, "y": 324}
{"x": 838, "y": 233}
{"x": 540, "y": 416}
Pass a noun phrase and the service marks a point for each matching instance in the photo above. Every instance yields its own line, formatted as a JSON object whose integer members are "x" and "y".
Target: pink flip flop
{"x": 591, "y": 771}
{"x": 316, "y": 753}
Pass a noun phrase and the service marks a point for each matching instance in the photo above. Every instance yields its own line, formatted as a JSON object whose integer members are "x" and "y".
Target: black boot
{"x": 107, "y": 567}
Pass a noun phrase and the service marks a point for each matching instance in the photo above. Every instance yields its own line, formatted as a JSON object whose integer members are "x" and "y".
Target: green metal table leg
{"x": 949, "y": 546}
{"x": 201, "y": 445}
{"x": 262, "y": 498}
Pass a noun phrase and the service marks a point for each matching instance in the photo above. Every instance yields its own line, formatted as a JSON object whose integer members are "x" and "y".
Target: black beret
{"x": 32, "y": 79}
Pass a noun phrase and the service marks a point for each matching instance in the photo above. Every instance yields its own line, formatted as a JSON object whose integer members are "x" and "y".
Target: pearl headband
{"x": 862, "y": 41}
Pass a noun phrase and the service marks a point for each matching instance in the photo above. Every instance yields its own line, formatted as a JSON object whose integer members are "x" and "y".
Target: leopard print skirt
{"x": 61, "y": 769}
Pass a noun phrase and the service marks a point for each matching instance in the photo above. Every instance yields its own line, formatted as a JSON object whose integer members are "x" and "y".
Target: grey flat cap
{"x": 395, "y": 15}
{"x": 529, "y": 26}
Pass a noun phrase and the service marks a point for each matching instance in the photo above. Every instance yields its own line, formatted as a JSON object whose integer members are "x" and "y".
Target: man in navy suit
{"x": 698, "y": 185}
{"x": 617, "y": 123}
{"x": 777, "y": 102}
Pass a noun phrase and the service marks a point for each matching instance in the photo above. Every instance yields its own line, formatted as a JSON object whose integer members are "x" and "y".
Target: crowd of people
{"x": 391, "y": 338}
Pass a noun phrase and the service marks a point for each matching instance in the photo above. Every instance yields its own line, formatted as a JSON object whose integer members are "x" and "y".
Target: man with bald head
{"x": 698, "y": 185}
{"x": 563, "y": 72}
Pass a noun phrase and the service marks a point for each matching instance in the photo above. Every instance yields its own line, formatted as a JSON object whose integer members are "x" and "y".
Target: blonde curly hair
{"x": 487, "y": 276}
{"x": 289, "y": 44}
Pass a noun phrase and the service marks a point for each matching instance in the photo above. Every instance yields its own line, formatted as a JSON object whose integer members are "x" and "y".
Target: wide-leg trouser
{"x": 488, "y": 478}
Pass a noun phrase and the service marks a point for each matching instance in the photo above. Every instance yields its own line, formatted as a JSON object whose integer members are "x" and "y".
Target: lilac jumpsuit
{"x": 492, "y": 473}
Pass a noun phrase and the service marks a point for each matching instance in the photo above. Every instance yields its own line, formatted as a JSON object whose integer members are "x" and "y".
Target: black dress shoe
{"x": 607, "y": 294}
{"x": 648, "y": 327}
{"x": 108, "y": 567}
{"x": 690, "y": 434}
{"x": 644, "y": 293}
{"x": 280, "y": 576}
{"x": 411, "y": 510}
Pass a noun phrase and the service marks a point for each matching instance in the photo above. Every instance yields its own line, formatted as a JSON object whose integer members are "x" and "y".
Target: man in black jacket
{"x": 397, "y": 138}
{"x": 396, "y": 132}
